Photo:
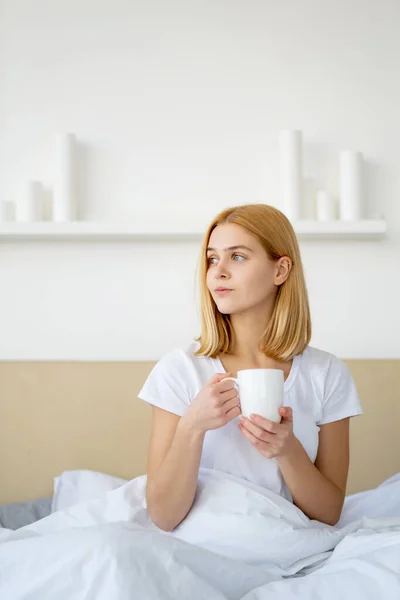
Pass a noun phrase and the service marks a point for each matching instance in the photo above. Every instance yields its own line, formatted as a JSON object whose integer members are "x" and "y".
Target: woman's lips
{"x": 222, "y": 291}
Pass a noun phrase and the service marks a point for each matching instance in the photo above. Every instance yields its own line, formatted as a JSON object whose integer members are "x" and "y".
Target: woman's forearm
{"x": 316, "y": 496}
{"x": 171, "y": 491}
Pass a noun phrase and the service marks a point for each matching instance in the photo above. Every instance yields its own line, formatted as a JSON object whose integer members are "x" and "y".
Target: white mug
{"x": 260, "y": 392}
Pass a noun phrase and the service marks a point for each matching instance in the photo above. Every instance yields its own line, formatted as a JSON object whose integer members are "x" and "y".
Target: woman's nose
{"x": 221, "y": 271}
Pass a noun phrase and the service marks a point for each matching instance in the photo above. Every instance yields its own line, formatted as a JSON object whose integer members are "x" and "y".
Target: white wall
{"x": 178, "y": 105}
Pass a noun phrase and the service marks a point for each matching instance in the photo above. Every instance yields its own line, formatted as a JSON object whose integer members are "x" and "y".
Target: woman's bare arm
{"x": 176, "y": 445}
{"x": 172, "y": 470}
{"x": 319, "y": 490}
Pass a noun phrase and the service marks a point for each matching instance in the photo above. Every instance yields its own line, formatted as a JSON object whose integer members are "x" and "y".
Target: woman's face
{"x": 240, "y": 275}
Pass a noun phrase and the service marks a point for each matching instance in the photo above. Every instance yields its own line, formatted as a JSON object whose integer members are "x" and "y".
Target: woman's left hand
{"x": 269, "y": 438}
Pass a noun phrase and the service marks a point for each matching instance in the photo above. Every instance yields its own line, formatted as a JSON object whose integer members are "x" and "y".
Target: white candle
{"x": 351, "y": 185}
{"x": 64, "y": 192}
{"x": 30, "y": 206}
{"x": 326, "y": 206}
{"x": 7, "y": 211}
{"x": 290, "y": 148}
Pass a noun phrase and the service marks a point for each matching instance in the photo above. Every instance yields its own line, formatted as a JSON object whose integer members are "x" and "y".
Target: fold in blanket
{"x": 238, "y": 541}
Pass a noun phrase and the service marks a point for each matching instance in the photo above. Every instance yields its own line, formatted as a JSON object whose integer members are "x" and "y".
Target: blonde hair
{"x": 289, "y": 329}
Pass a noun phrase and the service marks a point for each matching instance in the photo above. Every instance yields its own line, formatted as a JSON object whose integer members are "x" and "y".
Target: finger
{"x": 286, "y": 414}
{"x": 229, "y": 395}
{"x": 223, "y": 386}
{"x": 258, "y": 432}
{"x": 231, "y": 404}
{"x": 253, "y": 438}
{"x": 265, "y": 424}
{"x": 218, "y": 377}
{"x": 264, "y": 447}
{"x": 233, "y": 413}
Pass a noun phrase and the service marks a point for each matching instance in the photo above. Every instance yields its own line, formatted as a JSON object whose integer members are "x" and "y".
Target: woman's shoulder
{"x": 174, "y": 380}
{"x": 320, "y": 359}
{"x": 322, "y": 365}
{"x": 331, "y": 379}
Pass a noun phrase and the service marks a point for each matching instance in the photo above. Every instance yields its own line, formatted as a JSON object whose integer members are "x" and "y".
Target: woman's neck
{"x": 248, "y": 329}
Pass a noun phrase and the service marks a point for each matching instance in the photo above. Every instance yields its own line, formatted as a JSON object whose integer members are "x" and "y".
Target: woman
{"x": 255, "y": 314}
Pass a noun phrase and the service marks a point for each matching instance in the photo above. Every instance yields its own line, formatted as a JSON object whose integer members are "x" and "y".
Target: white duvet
{"x": 240, "y": 541}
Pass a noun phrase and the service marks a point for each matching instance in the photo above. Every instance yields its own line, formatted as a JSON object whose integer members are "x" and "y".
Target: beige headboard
{"x": 77, "y": 415}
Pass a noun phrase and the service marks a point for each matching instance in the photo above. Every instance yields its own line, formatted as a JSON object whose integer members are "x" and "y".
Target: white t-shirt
{"x": 319, "y": 389}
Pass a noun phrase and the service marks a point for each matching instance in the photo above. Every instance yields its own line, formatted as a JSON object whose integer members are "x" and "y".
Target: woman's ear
{"x": 283, "y": 268}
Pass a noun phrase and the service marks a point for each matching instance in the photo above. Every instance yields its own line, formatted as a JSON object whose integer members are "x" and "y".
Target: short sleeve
{"x": 166, "y": 387}
{"x": 340, "y": 398}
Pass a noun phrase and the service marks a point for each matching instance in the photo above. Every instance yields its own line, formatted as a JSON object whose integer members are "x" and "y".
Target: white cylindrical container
{"x": 30, "y": 206}
{"x": 7, "y": 211}
{"x": 64, "y": 192}
{"x": 351, "y": 185}
{"x": 326, "y": 206}
{"x": 291, "y": 182}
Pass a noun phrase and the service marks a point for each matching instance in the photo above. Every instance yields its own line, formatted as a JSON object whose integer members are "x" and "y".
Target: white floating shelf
{"x": 342, "y": 230}
{"x": 96, "y": 231}
{"x": 103, "y": 231}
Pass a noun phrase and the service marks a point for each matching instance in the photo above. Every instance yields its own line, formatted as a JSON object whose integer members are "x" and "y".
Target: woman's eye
{"x": 212, "y": 260}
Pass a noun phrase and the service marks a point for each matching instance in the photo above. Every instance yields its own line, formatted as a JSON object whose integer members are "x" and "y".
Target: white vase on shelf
{"x": 351, "y": 185}
{"x": 326, "y": 206}
{"x": 7, "y": 211}
{"x": 65, "y": 178}
{"x": 291, "y": 180}
{"x": 30, "y": 205}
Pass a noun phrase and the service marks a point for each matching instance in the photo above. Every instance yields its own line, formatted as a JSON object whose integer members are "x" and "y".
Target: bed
{"x": 66, "y": 420}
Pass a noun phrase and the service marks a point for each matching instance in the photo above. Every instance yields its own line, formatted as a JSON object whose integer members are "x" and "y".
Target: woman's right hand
{"x": 214, "y": 406}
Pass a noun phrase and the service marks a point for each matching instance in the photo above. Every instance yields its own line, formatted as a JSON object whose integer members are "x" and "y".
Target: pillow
{"x": 18, "y": 514}
{"x": 72, "y": 487}
{"x": 380, "y": 502}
